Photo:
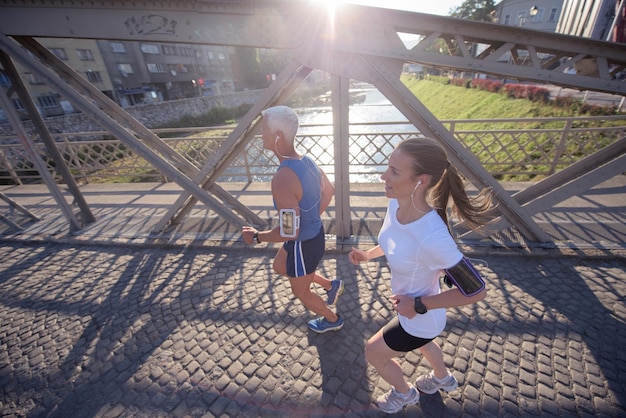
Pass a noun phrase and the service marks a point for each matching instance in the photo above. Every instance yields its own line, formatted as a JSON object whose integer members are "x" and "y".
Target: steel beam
{"x": 258, "y": 23}
{"x": 461, "y": 157}
{"x": 578, "y": 185}
{"x": 59, "y": 163}
{"x": 580, "y": 168}
{"x": 121, "y": 116}
{"x": 286, "y": 82}
{"x": 102, "y": 118}
{"x": 372, "y": 31}
{"x": 473, "y": 46}
{"x": 12, "y": 203}
{"x": 35, "y": 158}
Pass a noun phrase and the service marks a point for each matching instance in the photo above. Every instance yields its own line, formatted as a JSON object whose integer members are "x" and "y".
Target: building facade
{"x": 537, "y": 15}
{"x": 83, "y": 56}
{"x": 131, "y": 73}
{"x": 145, "y": 72}
{"x": 595, "y": 19}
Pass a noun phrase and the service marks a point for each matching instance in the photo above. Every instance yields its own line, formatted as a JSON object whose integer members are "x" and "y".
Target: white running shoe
{"x": 394, "y": 401}
{"x": 430, "y": 384}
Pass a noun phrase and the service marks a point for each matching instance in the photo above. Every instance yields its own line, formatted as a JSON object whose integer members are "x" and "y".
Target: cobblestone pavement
{"x": 105, "y": 331}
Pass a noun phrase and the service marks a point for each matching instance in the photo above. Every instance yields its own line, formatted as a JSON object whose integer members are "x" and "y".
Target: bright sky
{"x": 433, "y": 7}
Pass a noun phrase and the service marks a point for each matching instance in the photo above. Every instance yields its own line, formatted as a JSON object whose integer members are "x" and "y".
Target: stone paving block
{"x": 521, "y": 346}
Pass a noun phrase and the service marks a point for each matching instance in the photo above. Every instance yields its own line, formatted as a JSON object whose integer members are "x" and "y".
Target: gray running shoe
{"x": 321, "y": 325}
{"x": 430, "y": 384}
{"x": 394, "y": 401}
{"x": 336, "y": 289}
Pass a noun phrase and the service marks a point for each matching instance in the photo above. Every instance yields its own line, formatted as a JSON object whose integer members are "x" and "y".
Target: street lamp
{"x": 532, "y": 12}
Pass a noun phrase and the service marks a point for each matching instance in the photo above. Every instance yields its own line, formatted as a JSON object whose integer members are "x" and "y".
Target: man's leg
{"x": 322, "y": 281}
{"x": 301, "y": 288}
{"x": 280, "y": 267}
{"x": 280, "y": 262}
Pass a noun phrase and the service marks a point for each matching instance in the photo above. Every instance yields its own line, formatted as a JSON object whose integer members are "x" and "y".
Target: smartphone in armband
{"x": 289, "y": 223}
{"x": 464, "y": 276}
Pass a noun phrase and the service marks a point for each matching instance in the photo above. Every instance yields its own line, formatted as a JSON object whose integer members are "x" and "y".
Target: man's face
{"x": 268, "y": 136}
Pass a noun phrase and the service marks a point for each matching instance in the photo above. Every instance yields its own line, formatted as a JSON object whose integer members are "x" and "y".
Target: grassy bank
{"x": 454, "y": 102}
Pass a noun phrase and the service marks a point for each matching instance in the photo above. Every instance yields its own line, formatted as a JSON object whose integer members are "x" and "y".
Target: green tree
{"x": 480, "y": 10}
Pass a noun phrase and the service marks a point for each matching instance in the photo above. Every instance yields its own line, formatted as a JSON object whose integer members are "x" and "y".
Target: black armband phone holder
{"x": 464, "y": 276}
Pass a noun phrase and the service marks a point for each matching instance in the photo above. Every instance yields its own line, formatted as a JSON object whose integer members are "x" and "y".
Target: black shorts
{"x": 398, "y": 339}
{"x": 304, "y": 256}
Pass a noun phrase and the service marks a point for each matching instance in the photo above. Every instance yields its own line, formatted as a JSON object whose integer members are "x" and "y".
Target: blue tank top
{"x": 311, "y": 179}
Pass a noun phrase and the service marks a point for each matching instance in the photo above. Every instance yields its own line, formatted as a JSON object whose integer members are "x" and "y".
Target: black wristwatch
{"x": 256, "y": 237}
{"x": 419, "y": 306}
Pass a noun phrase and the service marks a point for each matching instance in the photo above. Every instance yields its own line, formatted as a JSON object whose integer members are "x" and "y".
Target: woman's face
{"x": 398, "y": 178}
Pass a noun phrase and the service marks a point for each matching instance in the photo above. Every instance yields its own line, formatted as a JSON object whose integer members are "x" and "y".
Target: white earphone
{"x": 419, "y": 183}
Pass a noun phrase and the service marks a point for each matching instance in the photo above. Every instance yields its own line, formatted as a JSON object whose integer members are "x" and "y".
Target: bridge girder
{"x": 505, "y": 51}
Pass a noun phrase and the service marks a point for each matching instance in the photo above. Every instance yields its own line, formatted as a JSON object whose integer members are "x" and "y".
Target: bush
{"x": 461, "y": 82}
{"x": 437, "y": 79}
{"x": 527, "y": 91}
{"x": 215, "y": 116}
{"x": 491, "y": 86}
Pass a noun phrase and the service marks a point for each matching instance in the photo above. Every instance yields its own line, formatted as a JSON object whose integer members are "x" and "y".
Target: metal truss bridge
{"x": 348, "y": 42}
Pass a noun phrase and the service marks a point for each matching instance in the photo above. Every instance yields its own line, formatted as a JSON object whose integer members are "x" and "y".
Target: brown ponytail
{"x": 429, "y": 157}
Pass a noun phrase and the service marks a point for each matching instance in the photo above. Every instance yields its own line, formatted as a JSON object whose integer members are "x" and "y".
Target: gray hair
{"x": 282, "y": 118}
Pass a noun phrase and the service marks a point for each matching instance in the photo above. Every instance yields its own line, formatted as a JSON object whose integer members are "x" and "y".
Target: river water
{"x": 368, "y": 153}
{"x": 375, "y": 112}
{"x": 375, "y": 108}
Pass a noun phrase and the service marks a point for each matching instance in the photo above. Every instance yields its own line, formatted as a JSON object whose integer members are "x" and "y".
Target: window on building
{"x": 149, "y": 49}
{"x": 47, "y": 101}
{"x": 93, "y": 76}
{"x": 125, "y": 69}
{"x": 18, "y": 104}
{"x": 553, "y": 15}
{"x": 169, "y": 50}
{"x": 221, "y": 55}
{"x": 211, "y": 55}
{"x": 198, "y": 53}
{"x": 186, "y": 52}
{"x": 85, "y": 54}
{"x": 118, "y": 47}
{"x": 507, "y": 19}
{"x": 156, "y": 68}
{"x": 59, "y": 53}
{"x": 32, "y": 79}
{"x": 5, "y": 81}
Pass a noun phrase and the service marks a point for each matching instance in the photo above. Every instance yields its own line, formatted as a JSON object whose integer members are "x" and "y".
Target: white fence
{"x": 511, "y": 149}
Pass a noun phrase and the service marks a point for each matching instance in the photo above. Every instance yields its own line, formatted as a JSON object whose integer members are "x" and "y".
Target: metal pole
{"x": 341, "y": 139}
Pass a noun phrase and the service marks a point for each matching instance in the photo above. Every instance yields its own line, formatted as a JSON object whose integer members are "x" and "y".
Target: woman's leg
{"x": 382, "y": 358}
{"x": 433, "y": 354}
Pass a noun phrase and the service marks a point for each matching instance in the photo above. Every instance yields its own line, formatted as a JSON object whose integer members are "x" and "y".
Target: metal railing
{"x": 510, "y": 149}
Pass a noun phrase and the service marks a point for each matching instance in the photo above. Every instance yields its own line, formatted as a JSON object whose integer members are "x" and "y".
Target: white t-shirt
{"x": 416, "y": 253}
